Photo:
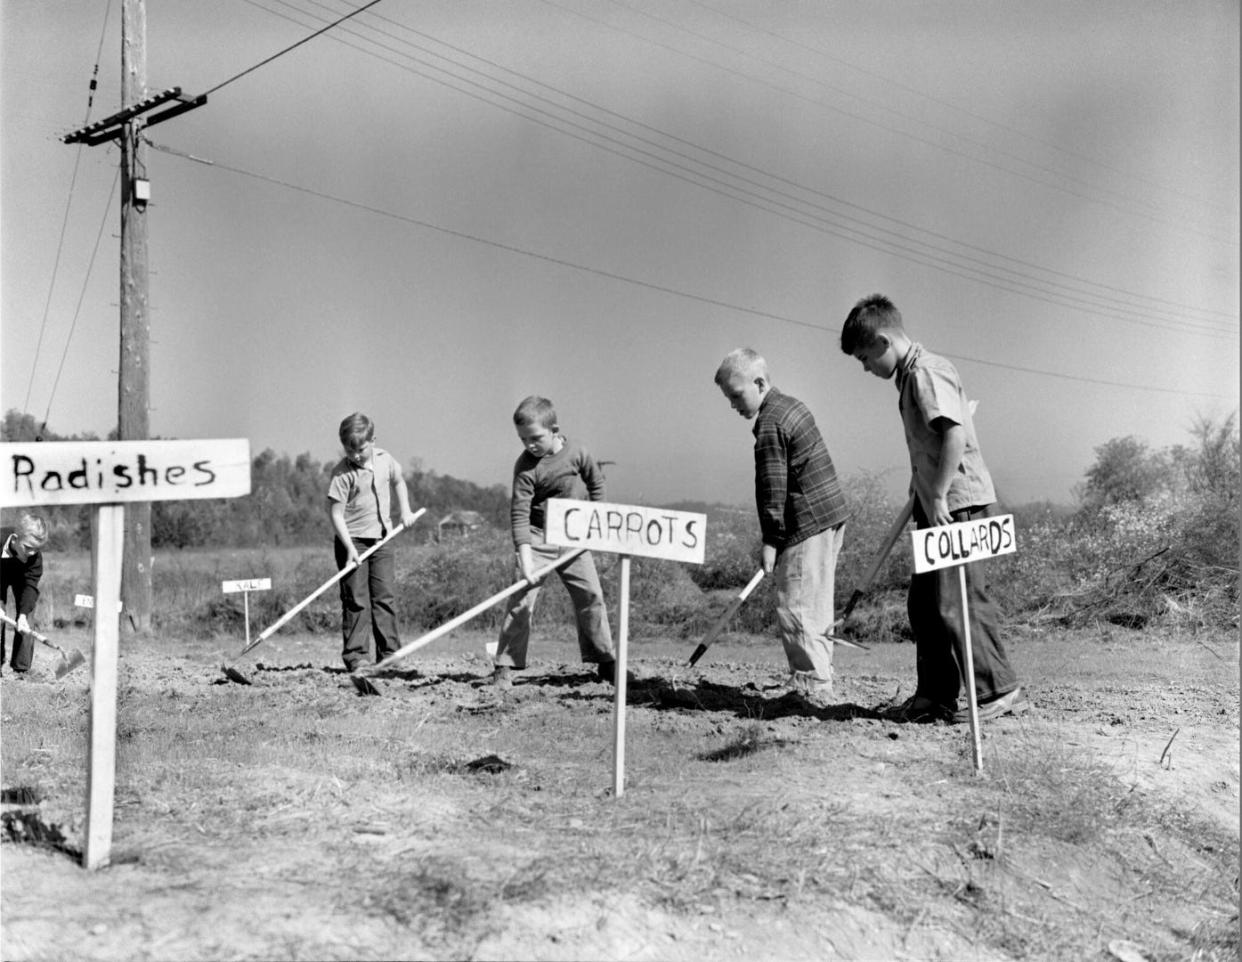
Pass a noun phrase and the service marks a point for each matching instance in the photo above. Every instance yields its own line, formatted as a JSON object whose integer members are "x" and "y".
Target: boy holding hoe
{"x": 949, "y": 482}
{"x": 802, "y": 515}
{"x": 551, "y": 466}
{"x": 21, "y": 570}
{"x": 360, "y": 493}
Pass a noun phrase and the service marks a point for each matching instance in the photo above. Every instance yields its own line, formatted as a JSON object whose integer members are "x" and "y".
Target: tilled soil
{"x": 297, "y": 818}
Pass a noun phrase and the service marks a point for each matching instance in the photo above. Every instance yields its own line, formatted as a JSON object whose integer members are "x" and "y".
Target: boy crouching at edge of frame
{"x": 21, "y": 570}
{"x": 551, "y": 466}
{"x": 950, "y": 483}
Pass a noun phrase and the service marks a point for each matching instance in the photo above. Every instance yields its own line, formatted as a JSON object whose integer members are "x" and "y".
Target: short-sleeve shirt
{"x": 929, "y": 388}
{"x": 366, "y": 493}
{"x": 797, "y": 491}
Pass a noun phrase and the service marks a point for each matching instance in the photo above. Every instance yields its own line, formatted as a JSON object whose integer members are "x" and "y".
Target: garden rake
{"x": 69, "y": 660}
{"x": 231, "y": 671}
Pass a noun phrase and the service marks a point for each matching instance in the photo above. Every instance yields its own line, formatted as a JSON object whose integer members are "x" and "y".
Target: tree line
{"x": 287, "y": 504}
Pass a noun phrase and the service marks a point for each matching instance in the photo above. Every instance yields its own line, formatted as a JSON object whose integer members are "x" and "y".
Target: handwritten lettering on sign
{"x": 627, "y": 529}
{"x": 253, "y": 584}
{"x": 111, "y": 472}
{"x": 963, "y": 542}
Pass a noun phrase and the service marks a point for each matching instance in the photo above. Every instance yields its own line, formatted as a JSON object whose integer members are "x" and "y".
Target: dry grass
{"x": 725, "y": 805}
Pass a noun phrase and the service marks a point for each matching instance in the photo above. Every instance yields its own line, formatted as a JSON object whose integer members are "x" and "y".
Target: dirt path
{"x": 296, "y": 819}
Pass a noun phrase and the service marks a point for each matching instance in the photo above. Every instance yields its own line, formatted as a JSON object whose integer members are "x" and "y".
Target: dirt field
{"x": 296, "y": 819}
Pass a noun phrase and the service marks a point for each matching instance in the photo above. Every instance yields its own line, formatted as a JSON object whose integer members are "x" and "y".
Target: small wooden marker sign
{"x": 107, "y": 474}
{"x": 254, "y": 584}
{"x": 626, "y": 530}
{"x": 957, "y": 545}
{"x": 88, "y": 601}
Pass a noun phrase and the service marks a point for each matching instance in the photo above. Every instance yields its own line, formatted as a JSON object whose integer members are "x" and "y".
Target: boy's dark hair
{"x": 355, "y": 430}
{"x": 866, "y": 319}
{"x": 535, "y": 410}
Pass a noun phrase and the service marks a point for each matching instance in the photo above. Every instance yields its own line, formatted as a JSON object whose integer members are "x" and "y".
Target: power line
{"x": 281, "y": 53}
{"x": 933, "y": 256}
{"x": 81, "y": 297}
{"x": 612, "y": 275}
{"x": 64, "y": 224}
{"x": 871, "y": 121}
{"x": 958, "y": 108}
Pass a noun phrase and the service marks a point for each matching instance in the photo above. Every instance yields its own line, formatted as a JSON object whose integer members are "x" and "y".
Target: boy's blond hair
{"x": 535, "y": 410}
{"x": 868, "y": 318}
{"x": 32, "y": 530}
{"x": 741, "y": 360}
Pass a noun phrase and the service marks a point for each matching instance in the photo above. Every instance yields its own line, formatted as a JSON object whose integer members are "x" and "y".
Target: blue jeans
{"x": 367, "y": 603}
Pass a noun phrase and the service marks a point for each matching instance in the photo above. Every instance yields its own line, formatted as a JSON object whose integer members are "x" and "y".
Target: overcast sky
{"x": 438, "y": 208}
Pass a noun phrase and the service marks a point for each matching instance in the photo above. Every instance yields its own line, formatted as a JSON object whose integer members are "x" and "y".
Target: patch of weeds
{"x": 28, "y": 828}
{"x": 1215, "y": 940}
{"x": 751, "y": 739}
{"x": 415, "y": 766}
{"x": 1053, "y": 793}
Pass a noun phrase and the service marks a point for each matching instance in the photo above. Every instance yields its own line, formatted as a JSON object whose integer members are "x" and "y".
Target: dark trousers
{"x": 23, "y": 644}
{"x": 934, "y": 605}
{"x": 367, "y": 603}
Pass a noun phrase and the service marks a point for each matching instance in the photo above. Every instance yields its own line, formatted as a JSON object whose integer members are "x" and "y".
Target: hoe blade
{"x": 68, "y": 662}
{"x": 236, "y": 676}
{"x": 364, "y": 685}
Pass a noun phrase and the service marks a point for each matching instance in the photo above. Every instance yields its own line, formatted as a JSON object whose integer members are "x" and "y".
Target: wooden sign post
{"x": 245, "y": 587}
{"x": 625, "y": 530}
{"x": 957, "y": 545}
{"x": 108, "y": 474}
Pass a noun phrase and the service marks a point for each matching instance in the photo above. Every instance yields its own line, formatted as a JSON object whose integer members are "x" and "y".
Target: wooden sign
{"x": 107, "y": 474}
{"x": 88, "y": 601}
{"x": 114, "y": 472}
{"x": 254, "y": 584}
{"x": 963, "y": 542}
{"x": 957, "y": 545}
{"x": 627, "y": 529}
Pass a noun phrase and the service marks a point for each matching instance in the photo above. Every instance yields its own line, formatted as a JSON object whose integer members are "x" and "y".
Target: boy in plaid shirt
{"x": 801, "y": 514}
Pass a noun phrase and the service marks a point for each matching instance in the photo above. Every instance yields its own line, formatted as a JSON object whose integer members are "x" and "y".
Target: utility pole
{"x": 133, "y": 398}
{"x": 133, "y": 418}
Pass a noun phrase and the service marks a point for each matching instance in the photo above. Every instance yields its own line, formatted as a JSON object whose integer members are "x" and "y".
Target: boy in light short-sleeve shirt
{"x": 360, "y": 495}
{"x": 950, "y": 483}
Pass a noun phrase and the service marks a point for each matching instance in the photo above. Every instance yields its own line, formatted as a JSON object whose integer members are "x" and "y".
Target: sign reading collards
{"x": 963, "y": 542}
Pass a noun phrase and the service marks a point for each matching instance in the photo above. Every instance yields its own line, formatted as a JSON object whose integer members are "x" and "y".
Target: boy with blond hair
{"x": 551, "y": 466}
{"x": 950, "y": 483}
{"x": 21, "y": 570}
{"x": 802, "y": 514}
{"x": 360, "y": 495}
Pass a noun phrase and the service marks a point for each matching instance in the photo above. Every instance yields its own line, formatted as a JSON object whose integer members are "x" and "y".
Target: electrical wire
{"x": 956, "y": 108}
{"x": 81, "y": 297}
{"x": 873, "y": 122}
{"x": 64, "y": 224}
{"x": 612, "y": 275}
{"x": 785, "y": 204}
{"x": 281, "y": 53}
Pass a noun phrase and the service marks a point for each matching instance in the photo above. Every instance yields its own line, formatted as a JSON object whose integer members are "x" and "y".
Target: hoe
{"x": 69, "y": 660}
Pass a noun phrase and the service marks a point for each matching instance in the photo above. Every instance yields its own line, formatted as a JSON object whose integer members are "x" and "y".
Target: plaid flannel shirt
{"x": 796, "y": 487}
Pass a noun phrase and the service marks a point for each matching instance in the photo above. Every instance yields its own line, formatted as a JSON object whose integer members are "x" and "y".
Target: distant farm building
{"x": 460, "y": 524}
